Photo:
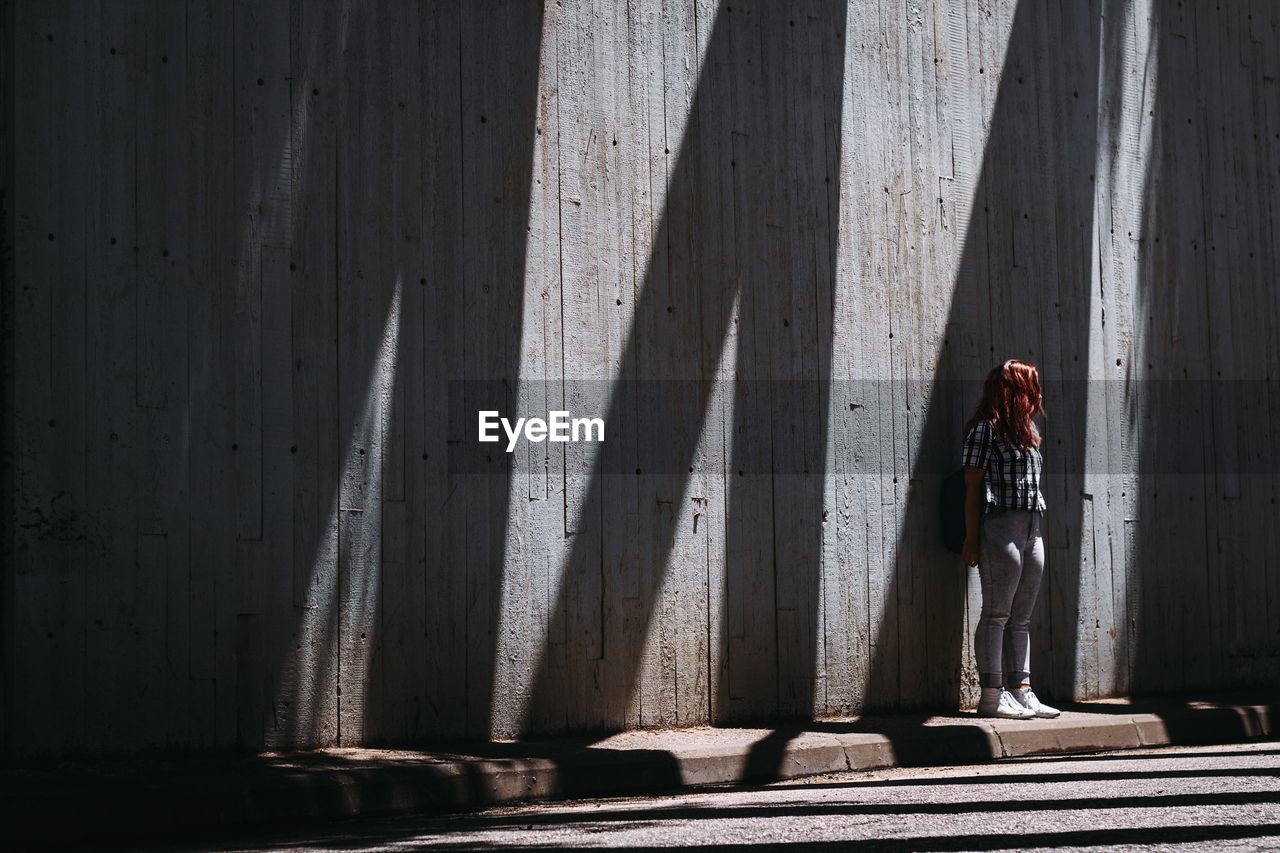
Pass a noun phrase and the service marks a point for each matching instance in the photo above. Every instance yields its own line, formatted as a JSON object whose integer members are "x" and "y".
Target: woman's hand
{"x": 970, "y": 552}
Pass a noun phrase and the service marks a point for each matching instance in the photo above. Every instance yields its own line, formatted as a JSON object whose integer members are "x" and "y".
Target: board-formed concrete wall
{"x": 265, "y": 261}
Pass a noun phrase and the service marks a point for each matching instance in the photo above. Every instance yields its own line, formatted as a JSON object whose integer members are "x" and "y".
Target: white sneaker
{"x": 1005, "y": 706}
{"x": 1026, "y": 698}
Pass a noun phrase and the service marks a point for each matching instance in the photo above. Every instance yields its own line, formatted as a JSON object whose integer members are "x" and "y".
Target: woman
{"x": 1002, "y": 488}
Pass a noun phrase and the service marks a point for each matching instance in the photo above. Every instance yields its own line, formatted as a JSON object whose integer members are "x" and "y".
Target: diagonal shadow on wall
{"x": 1021, "y": 291}
{"x": 744, "y": 256}
{"x": 411, "y": 203}
{"x": 1200, "y": 533}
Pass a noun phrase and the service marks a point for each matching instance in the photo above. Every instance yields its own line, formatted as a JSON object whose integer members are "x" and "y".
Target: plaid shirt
{"x": 1012, "y": 476}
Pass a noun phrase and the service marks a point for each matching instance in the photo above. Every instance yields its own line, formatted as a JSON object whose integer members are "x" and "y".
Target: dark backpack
{"x": 951, "y": 505}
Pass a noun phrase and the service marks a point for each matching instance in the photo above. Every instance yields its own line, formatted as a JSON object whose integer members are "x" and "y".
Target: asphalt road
{"x": 1219, "y": 798}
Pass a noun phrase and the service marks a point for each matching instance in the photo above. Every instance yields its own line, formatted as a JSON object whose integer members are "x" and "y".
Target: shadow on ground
{"x": 133, "y": 798}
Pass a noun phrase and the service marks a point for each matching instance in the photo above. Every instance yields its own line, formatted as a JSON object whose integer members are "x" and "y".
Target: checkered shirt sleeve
{"x": 977, "y": 446}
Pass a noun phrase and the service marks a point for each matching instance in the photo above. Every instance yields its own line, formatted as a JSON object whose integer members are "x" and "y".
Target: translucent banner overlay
{"x": 803, "y": 427}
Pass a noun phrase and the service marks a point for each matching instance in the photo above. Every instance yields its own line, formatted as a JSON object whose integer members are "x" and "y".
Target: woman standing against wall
{"x": 1004, "y": 512}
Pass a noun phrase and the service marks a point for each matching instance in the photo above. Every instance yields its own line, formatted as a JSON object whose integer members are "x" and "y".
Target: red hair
{"x": 1011, "y": 399}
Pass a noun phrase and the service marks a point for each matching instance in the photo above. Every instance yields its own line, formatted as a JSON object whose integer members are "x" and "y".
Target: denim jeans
{"x": 1010, "y": 566}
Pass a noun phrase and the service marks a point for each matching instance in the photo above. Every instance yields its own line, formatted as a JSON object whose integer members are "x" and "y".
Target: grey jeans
{"x": 1010, "y": 566}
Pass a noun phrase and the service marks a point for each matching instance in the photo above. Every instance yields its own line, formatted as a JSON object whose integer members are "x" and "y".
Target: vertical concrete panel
{"x": 8, "y": 279}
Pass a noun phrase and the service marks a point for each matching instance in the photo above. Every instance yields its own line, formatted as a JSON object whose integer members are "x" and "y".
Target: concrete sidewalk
{"x": 135, "y": 797}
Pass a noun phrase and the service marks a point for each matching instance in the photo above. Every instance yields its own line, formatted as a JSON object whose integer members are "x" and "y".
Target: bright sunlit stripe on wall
{"x": 304, "y": 697}
{"x": 1125, "y": 153}
{"x": 523, "y": 617}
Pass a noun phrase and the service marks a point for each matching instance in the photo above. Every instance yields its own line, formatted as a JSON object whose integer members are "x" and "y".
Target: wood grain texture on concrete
{"x": 266, "y": 261}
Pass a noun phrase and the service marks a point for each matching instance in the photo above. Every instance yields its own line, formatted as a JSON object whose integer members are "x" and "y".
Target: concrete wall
{"x": 270, "y": 258}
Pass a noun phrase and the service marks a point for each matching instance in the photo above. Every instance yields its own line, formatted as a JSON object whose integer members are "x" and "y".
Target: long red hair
{"x": 1011, "y": 399}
